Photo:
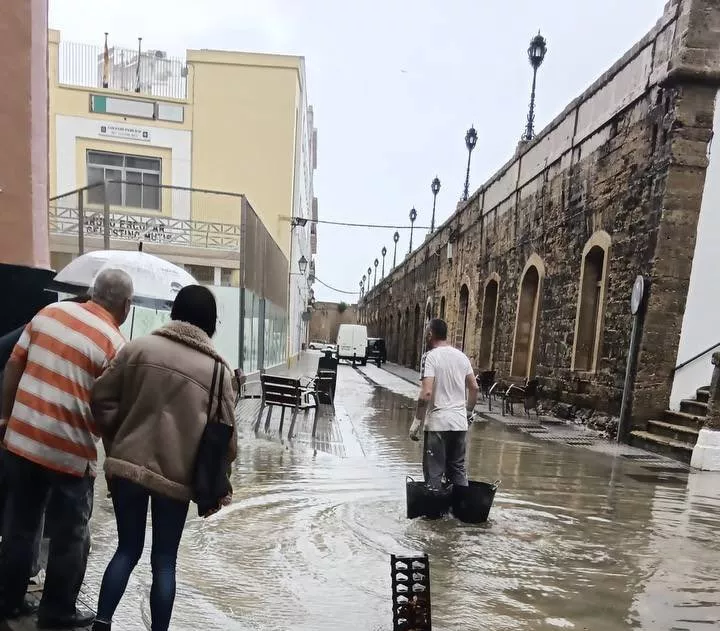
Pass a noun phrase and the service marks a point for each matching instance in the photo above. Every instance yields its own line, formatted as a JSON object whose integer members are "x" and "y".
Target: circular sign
{"x": 638, "y": 293}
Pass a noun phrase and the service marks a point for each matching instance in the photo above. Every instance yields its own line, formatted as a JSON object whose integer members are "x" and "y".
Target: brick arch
{"x": 590, "y": 312}
{"x": 527, "y": 317}
{"x": 488, "y": 321}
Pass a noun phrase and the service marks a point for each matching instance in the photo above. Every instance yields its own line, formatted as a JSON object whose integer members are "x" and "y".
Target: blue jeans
{"x": 130, "y": 501}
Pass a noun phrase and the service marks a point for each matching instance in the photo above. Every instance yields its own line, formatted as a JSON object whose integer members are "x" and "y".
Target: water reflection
{"x": 577, "y": 540}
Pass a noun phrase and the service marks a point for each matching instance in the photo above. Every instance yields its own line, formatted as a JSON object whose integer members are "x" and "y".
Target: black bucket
{"x": 472, "y": 503}
{"x": 424, "y": 501}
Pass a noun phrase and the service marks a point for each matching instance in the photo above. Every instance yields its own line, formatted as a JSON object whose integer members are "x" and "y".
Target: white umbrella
{"x": 156, "y": 281}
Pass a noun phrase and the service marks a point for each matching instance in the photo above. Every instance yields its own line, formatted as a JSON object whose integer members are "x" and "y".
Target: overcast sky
{"x": 395, "y": 84}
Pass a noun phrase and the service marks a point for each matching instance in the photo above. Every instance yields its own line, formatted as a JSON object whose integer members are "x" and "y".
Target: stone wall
{"x": 611, "y": 189}
{"x": 326, "y": 320}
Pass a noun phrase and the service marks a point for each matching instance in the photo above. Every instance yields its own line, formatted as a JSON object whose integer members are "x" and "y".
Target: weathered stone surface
{"x": 626, "y": 162}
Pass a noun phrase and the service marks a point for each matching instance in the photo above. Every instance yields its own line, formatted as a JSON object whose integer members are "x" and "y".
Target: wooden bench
{"x": 285, "y": 393}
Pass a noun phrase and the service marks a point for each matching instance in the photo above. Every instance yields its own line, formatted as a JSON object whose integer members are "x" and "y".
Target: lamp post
{"x": 413, "y": 217}
{"x": 302, "y": 266}
{"x": 470, "y": 142}
{"x": 536, "y": 55}
{"x": 361, "y": 289}
{"x": 435, "y": 188}
{"x": 396, "y": 238}
{"x": 383, "y": 252}
{"x": 369, "y": 276}
{"x": 375, "y": 263}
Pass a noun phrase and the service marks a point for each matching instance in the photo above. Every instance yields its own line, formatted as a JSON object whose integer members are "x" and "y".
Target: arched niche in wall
{"x": 527, "y": 317}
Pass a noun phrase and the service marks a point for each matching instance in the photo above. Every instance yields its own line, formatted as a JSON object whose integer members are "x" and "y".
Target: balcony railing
{"x": 158, "y": 74}
{"x": 136, "y": 227}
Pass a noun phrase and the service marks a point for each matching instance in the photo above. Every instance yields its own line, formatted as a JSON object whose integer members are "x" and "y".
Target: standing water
{"x": 576, "y": 540}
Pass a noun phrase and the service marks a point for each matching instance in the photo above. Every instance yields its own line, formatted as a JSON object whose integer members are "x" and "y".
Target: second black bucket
{"x": 472, "y": 503}
{"x": 423, "y": 501}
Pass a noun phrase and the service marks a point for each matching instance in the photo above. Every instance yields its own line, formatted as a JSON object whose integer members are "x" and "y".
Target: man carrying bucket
{"x": 445, "y": 406}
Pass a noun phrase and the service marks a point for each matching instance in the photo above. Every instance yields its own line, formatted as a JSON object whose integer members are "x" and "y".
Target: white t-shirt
{"x": 450, "y": 367}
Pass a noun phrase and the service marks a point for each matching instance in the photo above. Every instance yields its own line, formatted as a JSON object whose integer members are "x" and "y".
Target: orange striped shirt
{"x": 64, "y": 349}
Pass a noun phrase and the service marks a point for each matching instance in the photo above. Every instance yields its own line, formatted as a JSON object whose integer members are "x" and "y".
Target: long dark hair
{"x": 196, "y": 305}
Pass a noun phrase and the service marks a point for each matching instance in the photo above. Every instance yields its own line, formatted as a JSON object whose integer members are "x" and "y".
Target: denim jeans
{"x": 131, "y": 501}
{"x": 29, "y": 488}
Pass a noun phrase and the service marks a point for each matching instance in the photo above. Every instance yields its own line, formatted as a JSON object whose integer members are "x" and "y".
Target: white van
{"x": 352, "y": 343}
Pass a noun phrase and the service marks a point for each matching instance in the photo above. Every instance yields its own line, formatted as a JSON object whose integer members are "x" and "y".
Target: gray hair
{"x": 111, "y": 288}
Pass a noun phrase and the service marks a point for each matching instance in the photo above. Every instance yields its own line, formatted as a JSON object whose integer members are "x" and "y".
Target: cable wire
{"x": 340, "y": 291}
{"x": 366, "y": 225}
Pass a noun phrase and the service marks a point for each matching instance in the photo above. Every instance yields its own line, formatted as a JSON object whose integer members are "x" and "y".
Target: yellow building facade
{"x": 173, "y": 146}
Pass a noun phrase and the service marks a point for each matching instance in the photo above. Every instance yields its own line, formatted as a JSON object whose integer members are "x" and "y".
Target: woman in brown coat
{"x": 151, "y": 407}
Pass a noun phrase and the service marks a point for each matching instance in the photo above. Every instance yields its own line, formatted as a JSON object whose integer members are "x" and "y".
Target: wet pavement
{"x": 576, "y": 540}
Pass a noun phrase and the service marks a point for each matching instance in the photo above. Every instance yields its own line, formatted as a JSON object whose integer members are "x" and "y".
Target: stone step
{"x": 703, "y": 394}
{"x": 692, "y": 406}
{"x": 683, "y": 418}
{"x": 680, "y": 433}
{"x": 662, "y": 445}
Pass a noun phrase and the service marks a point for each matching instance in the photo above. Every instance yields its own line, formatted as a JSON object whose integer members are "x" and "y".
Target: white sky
{"x": 395, "y": 84}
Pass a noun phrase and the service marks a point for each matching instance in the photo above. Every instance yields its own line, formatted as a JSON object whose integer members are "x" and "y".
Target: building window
{"x": 203, "y": 274}
{"x": 591, "y": 298}
{"x": 136, "y": 179}
{"x": 487, "y": 331}
{"x": 462, "y": 318}
{"x": 229, "y": 277}
{"x": 528, "y": 310}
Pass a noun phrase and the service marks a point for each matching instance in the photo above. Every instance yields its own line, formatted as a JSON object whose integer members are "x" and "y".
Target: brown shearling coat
{"x": 150, "y": 407}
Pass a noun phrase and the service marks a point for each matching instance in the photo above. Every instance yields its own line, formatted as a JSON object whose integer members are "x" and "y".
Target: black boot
{"x": 101, "y": 626}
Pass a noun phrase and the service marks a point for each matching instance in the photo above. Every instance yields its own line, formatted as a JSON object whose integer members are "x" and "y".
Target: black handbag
{"x": 210, "y": 481}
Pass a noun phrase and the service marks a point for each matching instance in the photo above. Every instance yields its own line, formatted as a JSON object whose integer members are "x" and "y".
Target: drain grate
{"x": 666, "y": 468}
{"x": 642, "y": 457}
{"x": 411, "y": 593}
{"x": 537, "y": 430}
{"x": 579, "y": 441}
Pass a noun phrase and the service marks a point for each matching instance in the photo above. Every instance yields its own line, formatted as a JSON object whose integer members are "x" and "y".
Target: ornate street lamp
{"x": 470, "y": 142}
{"x": 383, "y": 252}
{"x": 435, "y": 188}
{"x": 369, "y": 276}
{"x": 302, "y": 264}
{"x": 375, "y": 263}
{"x": 396, "y": 238}
{"x": 413, "y": 217}
{"x": 536, "y": 55}
{"x": 362, "y": 286}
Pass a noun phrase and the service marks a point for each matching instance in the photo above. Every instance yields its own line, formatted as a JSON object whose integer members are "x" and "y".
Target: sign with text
{"x": 124, "y": 132}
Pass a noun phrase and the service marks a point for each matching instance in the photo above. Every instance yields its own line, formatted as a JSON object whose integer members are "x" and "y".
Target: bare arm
{"x": 472, "y": 392}
{"x": 423, "y": 402}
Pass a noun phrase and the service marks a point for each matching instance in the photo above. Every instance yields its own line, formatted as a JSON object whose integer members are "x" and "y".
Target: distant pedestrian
{"x": 446, "y": 405}
{"x": 50, "y": 444}
{"x": 151, "y": 407}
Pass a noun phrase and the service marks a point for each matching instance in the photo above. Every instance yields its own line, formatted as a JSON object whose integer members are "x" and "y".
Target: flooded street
{"x": 576, "y": 540}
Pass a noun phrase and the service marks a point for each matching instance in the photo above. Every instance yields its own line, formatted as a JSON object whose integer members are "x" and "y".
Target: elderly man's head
{"x": 113, "y": 290}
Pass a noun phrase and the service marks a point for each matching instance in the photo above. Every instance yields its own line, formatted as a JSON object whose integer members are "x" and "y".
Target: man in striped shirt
{"x": 50, "y": 443}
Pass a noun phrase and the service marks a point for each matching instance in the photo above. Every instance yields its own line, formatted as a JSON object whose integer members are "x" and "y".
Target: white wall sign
{"x": 125, "y": 132}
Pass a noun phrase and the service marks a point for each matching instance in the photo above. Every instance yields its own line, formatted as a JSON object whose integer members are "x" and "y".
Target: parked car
{"x": 332, "y": 348}
{"x": 317, "y": 346}
{"x": 352, "y": 343}
{"x": 376, "y": 350}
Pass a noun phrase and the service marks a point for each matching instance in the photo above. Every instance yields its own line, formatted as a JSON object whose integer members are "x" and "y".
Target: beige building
{"x": 182, "y": 150}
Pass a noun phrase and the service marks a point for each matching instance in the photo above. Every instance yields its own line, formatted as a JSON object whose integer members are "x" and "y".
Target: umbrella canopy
{"x": 156, "y": 281}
